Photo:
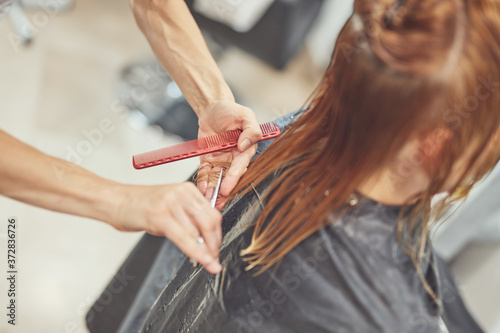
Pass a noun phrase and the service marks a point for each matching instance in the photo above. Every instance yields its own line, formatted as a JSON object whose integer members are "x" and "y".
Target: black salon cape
{"x": 348, "y": 277}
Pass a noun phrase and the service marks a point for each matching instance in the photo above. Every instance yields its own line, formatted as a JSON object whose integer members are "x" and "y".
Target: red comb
{"x": 198, "y": 147}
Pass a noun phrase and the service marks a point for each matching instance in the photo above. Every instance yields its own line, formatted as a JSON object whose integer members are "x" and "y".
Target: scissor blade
{"x": 216, "y": 192}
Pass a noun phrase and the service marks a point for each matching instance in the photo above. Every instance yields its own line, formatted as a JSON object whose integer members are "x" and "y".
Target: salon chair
{"x": 476, "y": 221}
{"x": 275, "y": 39}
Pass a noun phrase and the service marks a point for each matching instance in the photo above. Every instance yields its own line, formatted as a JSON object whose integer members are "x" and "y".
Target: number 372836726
{"x": 11, "y": 244}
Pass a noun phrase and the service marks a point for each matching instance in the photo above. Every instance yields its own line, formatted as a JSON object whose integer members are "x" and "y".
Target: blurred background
{"x": 83, "y": 63}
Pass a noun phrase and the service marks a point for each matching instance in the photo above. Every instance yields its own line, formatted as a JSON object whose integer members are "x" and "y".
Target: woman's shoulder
{"x": 350, "y": 274}
{"x": 332, "y": 284}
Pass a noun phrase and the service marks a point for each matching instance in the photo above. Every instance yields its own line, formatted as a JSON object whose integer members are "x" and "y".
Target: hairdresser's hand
{"x": 178, "y": 212}
{"x": 221, "y": 117}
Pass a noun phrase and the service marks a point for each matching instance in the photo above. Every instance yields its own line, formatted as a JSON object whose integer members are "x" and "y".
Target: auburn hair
{"x": 399, "y": 69}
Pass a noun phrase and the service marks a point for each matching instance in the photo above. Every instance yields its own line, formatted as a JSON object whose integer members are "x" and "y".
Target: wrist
{"x": 109, "y": 202}
{"x": 207, "y": 105}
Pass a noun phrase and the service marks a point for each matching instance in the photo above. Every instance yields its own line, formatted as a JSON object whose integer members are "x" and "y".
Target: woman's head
{"x": 422, "y": 71}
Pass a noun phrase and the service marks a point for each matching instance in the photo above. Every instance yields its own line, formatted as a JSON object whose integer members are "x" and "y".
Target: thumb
{"x": 251, "y": 130}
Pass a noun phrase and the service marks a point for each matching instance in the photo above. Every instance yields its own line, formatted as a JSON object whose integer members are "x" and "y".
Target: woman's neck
{"x": 397, "y": 183}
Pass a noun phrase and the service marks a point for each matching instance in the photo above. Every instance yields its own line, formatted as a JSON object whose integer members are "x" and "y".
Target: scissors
{"x": 200, "y": 239}
{"x": 216, "y": 192}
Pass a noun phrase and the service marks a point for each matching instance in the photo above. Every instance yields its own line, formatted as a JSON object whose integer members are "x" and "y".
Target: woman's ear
{"x": 496, "y": 137}
{"x": 494, "y": 143}
{"x": 432, "y": 146}
{"x": 433, "y": 142}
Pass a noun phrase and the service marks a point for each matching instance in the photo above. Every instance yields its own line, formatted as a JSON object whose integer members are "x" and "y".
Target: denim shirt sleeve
{"x": 282, "y": 123}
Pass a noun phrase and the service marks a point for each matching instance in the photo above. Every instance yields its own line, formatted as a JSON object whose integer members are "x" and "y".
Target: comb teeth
{"x": 231, "y": 137}
{"x": 223, "y": 139}
{"x": 268, "y": 128}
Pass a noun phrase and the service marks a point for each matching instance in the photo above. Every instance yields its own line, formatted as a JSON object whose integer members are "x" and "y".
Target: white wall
{"x": 321, "y": 40}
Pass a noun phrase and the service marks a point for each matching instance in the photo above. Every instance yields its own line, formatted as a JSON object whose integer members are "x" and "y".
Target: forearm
{"x": 178, "y": 44}
{"x": 33, "y": 177}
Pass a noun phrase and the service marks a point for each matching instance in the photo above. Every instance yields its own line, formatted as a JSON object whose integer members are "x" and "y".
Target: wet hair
{"x": 399, "y": 69}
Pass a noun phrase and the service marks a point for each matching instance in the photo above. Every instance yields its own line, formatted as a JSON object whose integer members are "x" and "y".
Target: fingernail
{"x": 203, "y": 186}
{"x": 215, "y": 266}
{"x": 245, "y": 144}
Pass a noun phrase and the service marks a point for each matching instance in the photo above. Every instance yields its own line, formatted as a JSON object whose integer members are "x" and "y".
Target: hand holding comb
{"x": 202, "y": 146}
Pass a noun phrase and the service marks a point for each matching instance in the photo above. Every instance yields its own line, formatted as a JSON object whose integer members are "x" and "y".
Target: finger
{"x": 191, "y": 248}
{"x": 206, "y": 171}
{"x": 221, "y": 203}
{"x": 206, "y": 186}
{"x": 202, "y": 177}
{"x": 183, "y": 220}
{"x": 237, "y": 169}
{"x": 211, "y": 232}
{"x": 208, "y": 221}
{"x": 214, "y": 267}
{"x": 251, "y": 130}
{"x": 202, "y": 186}
{"x": 210, "y": 191}
{"x": 212, "y": 184}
